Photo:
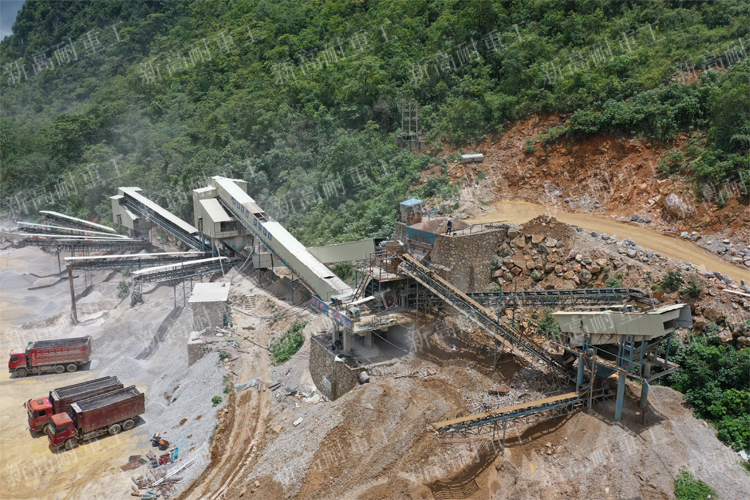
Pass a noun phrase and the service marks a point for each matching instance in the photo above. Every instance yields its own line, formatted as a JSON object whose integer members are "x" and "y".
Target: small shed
{"x": 209, "y": 304}
{"x": 411, "y": 211}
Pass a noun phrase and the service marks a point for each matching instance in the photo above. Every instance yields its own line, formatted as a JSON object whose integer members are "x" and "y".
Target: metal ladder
{"x": 361, "y": 287}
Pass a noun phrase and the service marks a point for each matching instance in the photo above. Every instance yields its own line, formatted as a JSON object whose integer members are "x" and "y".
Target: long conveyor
{"x": 172, "y": 224}
{"x": 562, "y": 297}
{"x": 478, "y": 314}
{"x": 520, "y": 414}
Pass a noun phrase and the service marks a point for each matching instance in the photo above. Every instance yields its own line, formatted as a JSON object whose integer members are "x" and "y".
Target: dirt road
{"x": 516, "y": 211}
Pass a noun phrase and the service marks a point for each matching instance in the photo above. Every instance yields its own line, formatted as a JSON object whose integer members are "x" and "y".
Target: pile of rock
{"x": 532, "y": 255}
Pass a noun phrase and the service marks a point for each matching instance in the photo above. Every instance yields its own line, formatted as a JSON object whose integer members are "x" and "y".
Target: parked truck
{"x": 40, "y": 410}
{"x": 110, "y": 413}
{"x": 50, "y": 356}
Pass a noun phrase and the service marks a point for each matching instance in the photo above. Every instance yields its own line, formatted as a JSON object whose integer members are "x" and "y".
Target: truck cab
{"x": 17, "y": 358}
{"x": 40, "y": 411}
{"x": 62, "y": 430}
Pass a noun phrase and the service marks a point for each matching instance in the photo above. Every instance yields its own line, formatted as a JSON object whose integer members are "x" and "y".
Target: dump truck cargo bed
{"x": 64, "y": 397}
{"x": 106, "y": 409}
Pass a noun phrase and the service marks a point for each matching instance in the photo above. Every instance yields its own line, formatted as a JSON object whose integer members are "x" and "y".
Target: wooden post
{"x": 72, "y": 295}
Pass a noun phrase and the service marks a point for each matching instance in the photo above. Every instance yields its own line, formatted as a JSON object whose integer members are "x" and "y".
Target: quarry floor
{"x": 144, "y": 346}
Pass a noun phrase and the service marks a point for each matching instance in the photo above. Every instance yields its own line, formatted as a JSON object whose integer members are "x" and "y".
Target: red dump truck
{"x": 50, "y": 356}
{"x": 40, "y": 410}
{"x": 107, "y": 413}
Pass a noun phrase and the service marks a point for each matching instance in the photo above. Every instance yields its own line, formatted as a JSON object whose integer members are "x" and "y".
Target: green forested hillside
{"x": 301, "y": 98}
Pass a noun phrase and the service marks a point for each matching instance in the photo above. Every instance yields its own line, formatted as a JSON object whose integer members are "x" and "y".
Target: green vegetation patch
{"x": 688, "y": 487}
{"x": 289, "y": 343}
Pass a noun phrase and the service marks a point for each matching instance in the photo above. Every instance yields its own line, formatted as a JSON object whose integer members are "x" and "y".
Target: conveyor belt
{"x": 137, "y": 261}
{"x": 183, "y": 270}
{"x": 478, "y": 314}
{"x": 564, "y": 297}
{"x": 78, "y": 243}
{"x": 172, "y": 224}
{"x": 30, "y": 227}
{"x": 75, "y": 222}
{"x": 525, "y": 413}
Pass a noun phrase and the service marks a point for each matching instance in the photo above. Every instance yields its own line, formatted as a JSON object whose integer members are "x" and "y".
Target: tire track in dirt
{"x": 516, "y": 211}
{"x": 238, "y": 453}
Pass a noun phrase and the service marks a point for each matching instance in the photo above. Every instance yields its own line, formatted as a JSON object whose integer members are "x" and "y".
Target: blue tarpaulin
{"x": 418, "y": 235}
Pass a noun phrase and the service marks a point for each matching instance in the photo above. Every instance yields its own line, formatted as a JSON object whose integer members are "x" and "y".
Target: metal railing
{"x": 477, "y": 228}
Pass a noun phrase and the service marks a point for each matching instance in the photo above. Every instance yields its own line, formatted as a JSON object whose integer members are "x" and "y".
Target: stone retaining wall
{"x": 332, "y": 378}
{"x": 465, "y": 260}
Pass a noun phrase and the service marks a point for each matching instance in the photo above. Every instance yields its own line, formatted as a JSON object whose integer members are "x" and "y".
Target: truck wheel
{"x": 114, "y": 429}
{"x": 59, "y": 369}
{"x": 22, "y": 372}
{"x": 127, "y": 425}
{"x": 72, "y": 367}
{"x": 71, "y": 443}
{"x": 46, "y": 429}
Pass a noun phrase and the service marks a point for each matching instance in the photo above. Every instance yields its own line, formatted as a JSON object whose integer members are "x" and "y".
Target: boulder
{"x": 504, "y": 250}
{"x": 725, "y": 336}
{"x": 585, "y": 274}
{"x": 569, "y": 275}
{"x": 558, "y": 269}
{"x": 601, "y": 263}
{"x": 549, "y": 268}
{"x": 595, "y": 269}
{"x": 543, "y": 249}
{"x": 676, "y": 207}
{"x": 519, "y": 241}
{"x": 550, "y": 242}
{"x": 628, "y": 242}
{"x": 699, "y": 326}
{"x": 497, "y": 273}
{"x": 536, "y": 239}
{"x": 537, "y": 275}
{"x": 572, "y": 254}
{"x": 512, "y": 233}
{"x": 713, "y": 314}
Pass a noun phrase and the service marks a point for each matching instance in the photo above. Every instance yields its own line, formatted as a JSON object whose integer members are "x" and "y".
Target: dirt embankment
{"x": 604, "y": 175}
